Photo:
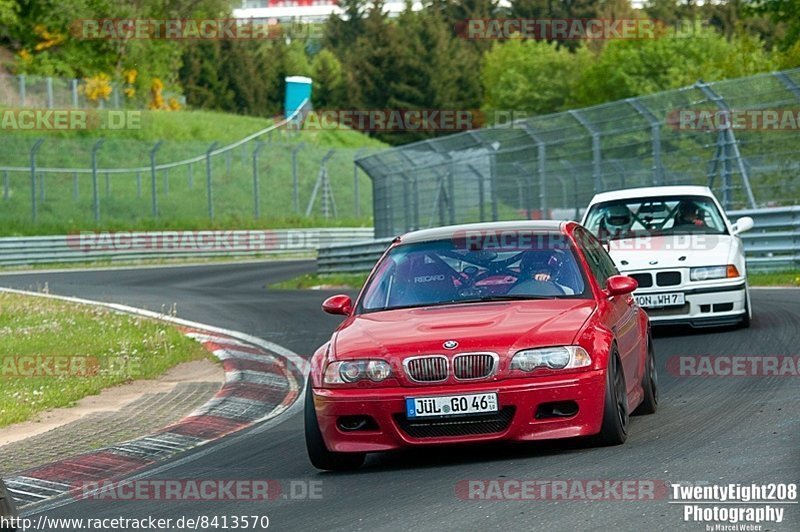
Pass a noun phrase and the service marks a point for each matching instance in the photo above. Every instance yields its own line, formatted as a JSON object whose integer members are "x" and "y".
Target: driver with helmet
{"x": 538, "y": 267}
{"x": 688, "y": 215}
{"x": 617, "y": 221}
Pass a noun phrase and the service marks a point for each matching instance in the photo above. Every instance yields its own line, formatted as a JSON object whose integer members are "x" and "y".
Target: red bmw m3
{"x": 513, "y": 331}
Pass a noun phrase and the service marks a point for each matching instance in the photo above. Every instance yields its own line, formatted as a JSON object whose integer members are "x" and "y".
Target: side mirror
{"x": 743, "y": 224}
{"x": 620, "y": 284}
{"x": 339, "y": 304}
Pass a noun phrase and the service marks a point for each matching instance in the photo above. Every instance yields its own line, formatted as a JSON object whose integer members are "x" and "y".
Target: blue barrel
{"x": 298, "y": 90}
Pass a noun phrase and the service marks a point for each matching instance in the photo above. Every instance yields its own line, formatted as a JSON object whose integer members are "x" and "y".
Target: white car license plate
{"x": 449, "y": 405}
{"x": 660, "y": 300}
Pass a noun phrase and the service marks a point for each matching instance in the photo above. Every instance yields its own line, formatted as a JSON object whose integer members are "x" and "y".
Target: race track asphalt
{"x": 715, "y": 430}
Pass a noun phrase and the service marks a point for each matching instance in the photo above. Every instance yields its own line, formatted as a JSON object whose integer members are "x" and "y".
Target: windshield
{"x": 445, "y": 271}
{"x": 657, "y": 216}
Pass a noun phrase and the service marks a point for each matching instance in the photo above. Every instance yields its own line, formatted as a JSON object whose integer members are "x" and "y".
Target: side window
{"x": 599, "y": 261}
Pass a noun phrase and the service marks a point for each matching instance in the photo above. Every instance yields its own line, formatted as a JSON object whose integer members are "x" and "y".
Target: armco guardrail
{"x": 356, "y": 257}
{"x": 126, "y": 246}
{"x": 773, "y": 244}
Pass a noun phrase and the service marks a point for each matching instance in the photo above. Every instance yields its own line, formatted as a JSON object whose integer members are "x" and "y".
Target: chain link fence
{"x": 740, "y": 137}
{"x": 127, "y": 183}
{"x": 66, "y": 93}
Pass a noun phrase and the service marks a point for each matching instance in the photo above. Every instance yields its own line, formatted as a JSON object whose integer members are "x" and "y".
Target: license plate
{"x": 450, "y": 405}
{"x": 660, "y": 300}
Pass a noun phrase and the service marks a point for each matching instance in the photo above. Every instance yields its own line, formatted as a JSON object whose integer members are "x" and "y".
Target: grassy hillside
{"x": 65, "y": 199}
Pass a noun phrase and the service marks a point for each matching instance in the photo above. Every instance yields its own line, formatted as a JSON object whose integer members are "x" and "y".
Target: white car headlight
{"x": 706, "y": 273}
{"x": 562, "y": 357}
{"x": 348, "y": 371}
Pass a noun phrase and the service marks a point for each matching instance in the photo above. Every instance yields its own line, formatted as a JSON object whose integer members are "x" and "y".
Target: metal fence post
{"x": 356, "y": 200}
{"x": 42, "y": 191}
{"x": 95, "y": 195}
{"x": 209, "y": 190}
{"x": 153, "y": 189}
{"x": 731, "y": 147}
{"x": 34, "y": 150}
{"x": 541, "y": 160}
{"x": 574, "y": 187}
{"x": 256, "y": 184}
{"x": 655, "y": 138}
{"x": 22, "y": 97}
{"x": 481, "y": 192}
{"x": 597, "y": 171}
{"x": 295, "y": 180}
{"x": 74, "y": 87}
{"x": 527, "y": 190}
{"x": 49, "y": 85}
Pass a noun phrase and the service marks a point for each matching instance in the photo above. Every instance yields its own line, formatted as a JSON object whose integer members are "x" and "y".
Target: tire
{"x": 649, "y": 384}
{"x": 748, "y": 312}
{"x": 8, "y": 509}
{"x": 614, "y": 429}
{"x": 318, "y": 452}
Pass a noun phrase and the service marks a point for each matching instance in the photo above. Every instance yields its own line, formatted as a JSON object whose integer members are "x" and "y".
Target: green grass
{"x": 352, "y": 281}
{"x": 121, "y": 348}
{"x": 125, "y": 199}
{"x": 787, "y": 278}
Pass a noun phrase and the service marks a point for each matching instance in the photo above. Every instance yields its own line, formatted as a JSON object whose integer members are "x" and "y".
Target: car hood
{"x": 501, "y": 327}
{"x": 679, "y": 251}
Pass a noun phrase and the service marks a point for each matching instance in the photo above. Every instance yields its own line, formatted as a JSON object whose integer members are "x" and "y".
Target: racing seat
{"x": 421, "y": 280}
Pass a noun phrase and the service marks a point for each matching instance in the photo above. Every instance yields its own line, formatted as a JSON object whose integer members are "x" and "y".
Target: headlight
{"x": 349, "y": 371}
{"x": 570, "y": 356}
{"x": 706, "y": 273}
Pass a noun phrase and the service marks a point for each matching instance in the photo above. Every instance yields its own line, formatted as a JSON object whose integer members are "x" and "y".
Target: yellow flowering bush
{"x": 157, "y": 98}
{"x": 48, "y": 38}
{"x": 97, "y": 87}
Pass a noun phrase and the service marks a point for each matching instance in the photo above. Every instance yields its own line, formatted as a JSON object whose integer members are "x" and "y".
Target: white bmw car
{"x": 678, "y": 244}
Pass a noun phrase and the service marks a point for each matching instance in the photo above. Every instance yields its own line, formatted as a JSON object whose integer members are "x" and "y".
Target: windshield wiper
{"x": 505, "y": 298}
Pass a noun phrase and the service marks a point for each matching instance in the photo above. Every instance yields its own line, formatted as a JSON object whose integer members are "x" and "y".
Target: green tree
{"x": 535, "y": 77}
{"x": 784, "y": 13}
{"x": 329, "y": 81}
{"x": 341, "y": 32}
{"x": 634, "y": 67}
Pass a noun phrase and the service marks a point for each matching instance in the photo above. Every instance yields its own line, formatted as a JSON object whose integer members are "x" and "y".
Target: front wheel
{"x": 318, "y": 452}
{"x": 748, "y": 311}
{"x": 614, "y": 430}
{"x": 649, "y": 384}
{"x": 8, "y": 510}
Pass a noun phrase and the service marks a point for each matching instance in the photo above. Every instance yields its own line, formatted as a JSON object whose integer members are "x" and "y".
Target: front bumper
{"x": 711, "y": 305}
{"x": 518, "y": 401}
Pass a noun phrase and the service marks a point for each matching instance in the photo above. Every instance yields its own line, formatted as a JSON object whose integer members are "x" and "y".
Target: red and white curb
{"x": 262, "y": 381}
